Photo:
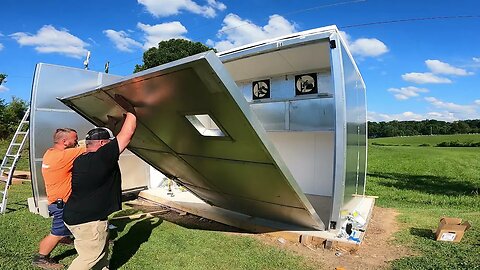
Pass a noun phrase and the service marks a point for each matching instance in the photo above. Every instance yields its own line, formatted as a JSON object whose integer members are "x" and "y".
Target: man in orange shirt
{"x": 57, "y": 174}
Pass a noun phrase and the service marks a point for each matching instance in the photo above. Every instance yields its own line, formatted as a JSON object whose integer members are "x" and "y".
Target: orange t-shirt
{"x": 57, "y": 172}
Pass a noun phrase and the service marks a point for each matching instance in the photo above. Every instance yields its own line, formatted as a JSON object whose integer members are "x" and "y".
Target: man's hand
{"x": 125, "y": 104}
{"x": 112, "y": 123}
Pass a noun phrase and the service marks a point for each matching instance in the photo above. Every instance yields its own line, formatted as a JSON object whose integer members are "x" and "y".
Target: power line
{"x": 296, "y": 12}
{"x": 341, "y": 27}
{"x": 248, "y": 23}
{"x": 412, "y": 20}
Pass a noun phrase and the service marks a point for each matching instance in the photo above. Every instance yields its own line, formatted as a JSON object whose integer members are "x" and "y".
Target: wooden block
{"x": 290, "y": 236}
{"x": 306, "y": 240}
{"x": 328, "y": 244}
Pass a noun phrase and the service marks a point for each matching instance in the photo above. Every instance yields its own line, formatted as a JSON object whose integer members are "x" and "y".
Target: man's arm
{"x": 125, "y": 135}
{"x": 129, "y": 125}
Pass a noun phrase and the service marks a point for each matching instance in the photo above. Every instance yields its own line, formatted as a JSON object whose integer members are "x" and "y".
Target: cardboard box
{"x": 451, "y": 229}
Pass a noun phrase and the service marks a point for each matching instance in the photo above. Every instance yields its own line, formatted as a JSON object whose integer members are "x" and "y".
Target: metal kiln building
{"x": 274, "y": 129}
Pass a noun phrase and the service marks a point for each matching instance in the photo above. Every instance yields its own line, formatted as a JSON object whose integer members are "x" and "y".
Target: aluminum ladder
{"x": 11, "y": 158}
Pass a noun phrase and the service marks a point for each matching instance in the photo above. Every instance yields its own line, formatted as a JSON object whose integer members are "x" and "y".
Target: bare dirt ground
{"x": 376, "y": 251}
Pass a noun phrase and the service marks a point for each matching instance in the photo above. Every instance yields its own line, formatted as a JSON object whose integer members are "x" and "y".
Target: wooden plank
{"x": 141, "y": 215}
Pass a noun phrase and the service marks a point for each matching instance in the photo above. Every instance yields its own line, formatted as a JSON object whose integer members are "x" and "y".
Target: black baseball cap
{"x": 100, "y": 133}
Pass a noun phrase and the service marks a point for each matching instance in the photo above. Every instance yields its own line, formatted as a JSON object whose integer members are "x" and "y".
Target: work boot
{"x": 45, "y": 262}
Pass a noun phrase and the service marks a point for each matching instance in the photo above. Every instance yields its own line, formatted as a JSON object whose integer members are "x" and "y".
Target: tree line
{"x": 425, "y": 127}
{"x": 11, "y": 113}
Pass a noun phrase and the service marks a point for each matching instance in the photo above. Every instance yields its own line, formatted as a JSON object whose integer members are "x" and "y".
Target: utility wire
{"x": 296, "y": 12}
{"x": 346, "y": 26}
{"x": 412, "y": 20}
{"x": 248, "y": 23}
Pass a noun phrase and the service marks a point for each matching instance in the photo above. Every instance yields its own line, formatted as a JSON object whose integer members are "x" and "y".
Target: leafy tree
{"x": 168, "y": 51}
{"x": 425, "y": 127}
{"x": 2, "y": 78}
{"x": 10, "y": 115}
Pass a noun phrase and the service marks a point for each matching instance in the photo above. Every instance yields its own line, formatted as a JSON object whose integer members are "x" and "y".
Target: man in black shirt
{"x": 96, "y": 192}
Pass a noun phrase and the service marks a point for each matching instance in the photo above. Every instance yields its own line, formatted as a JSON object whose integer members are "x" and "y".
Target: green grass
{"x": 148, "y": 243}
{"x": 432, "y": 140}
{"x": 425, "y": 184}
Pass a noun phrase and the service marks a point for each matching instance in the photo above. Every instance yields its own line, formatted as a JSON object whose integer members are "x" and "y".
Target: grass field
{"x": 169, "y": 246}
{"x": 425, "y": 184}
{"x": 422, "y": 183}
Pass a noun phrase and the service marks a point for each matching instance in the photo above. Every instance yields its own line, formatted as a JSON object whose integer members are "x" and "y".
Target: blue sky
{"x": 413, "y": 70}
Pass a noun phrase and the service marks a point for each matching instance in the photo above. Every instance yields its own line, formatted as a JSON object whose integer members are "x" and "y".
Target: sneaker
{"x": 45, "y": 262}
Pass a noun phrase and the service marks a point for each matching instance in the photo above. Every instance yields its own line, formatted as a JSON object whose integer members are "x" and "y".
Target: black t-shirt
{"x": 96, "y": 186}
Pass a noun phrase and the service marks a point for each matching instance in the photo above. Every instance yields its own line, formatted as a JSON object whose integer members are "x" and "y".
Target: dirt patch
{"x": 376, "y": 251}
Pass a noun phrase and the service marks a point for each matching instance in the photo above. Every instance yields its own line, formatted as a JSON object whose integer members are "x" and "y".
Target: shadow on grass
{"x": 65, "y": 254}
{"x": 188, "y": 221}
{"x": 127, "y": 245}
{"x": 425, "y": 233}
{"x": 15, "y": 206}
{"x": 427, "y": 184}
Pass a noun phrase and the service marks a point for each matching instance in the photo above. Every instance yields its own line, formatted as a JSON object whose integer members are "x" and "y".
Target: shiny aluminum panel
{"x": 340, "y": 132}
{"x": 271, "y": 115}
{"x": 312, "y": 114}
{"x": 48, "y": 114}
{"x": 355, "y": 108}
{"x": 362, "y": 142}
{"x": 241, "y": 171}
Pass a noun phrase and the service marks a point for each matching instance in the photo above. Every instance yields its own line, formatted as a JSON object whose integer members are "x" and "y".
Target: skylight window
{"x": 205, "y": 125}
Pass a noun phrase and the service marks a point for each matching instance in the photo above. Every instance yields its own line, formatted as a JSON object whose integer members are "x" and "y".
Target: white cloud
{"x": 365, "y": 47}
{"x": 476, "y": 59}
{"x": 411, "y": 116}
{"x": 444, "y": 111}
{"x": 163, "y": 8}
{"x": 121, "y": 40}
{"x": 3, "y": 88}
{"x": 439, "y": 67}
{"x": 50, "y": 40}
{"x": 406, "y": 116}
{"x": 423, "y": 78}
{"x": 451, "y": 107}
{"x": 237, "y": 31}
{"x": 1, "y": 45}
{"x": 404, "y": 93}
{"x": 159, "y": 32}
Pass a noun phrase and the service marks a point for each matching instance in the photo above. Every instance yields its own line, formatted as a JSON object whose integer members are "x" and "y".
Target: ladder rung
{"x": 6, "y": 167}
{"x": 7, "y": 155}
{"x": 25, "y": 122}
{"x": 16, "y": 144}
{"x": 22, "y": 132}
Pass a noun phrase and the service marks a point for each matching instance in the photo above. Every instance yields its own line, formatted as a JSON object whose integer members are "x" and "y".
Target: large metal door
{"x": 195, "y": 126}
